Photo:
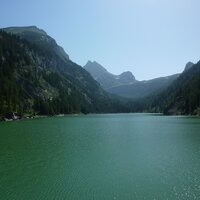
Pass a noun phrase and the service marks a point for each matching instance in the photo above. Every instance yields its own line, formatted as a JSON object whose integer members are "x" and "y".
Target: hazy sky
{"x": 151, "y": 38}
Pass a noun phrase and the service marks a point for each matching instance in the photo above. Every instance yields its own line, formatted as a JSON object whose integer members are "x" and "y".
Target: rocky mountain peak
{"x": 107, "y": 79}
{"x": 128, "y": 76}
{"x": 95, "y": 69}
{"x": 188, "y": 66}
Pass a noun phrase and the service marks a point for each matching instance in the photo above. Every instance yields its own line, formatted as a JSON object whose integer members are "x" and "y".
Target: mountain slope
{"x": 33, "y": 80}
{"x": 105, "y": 78}
{"x": 142, "y": 89}
{"x": 183, "y": 96}
{"x": 125, "y": 84}
{"x": 39, "y": 38}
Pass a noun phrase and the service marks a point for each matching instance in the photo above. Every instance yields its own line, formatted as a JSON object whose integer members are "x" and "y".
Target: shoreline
{"x": 4, "y": 119}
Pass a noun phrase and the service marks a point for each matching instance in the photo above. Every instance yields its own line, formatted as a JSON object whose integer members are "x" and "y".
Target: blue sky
{"x": 150, "y": 38}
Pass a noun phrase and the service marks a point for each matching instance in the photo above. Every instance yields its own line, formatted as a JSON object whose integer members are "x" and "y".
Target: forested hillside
{"x": 182, "y": 96}
{"x": 35, "y": 81}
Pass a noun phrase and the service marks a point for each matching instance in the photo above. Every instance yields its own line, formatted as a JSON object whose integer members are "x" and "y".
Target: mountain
{"x": 142, "y": 89}
{"x": 34, "y": 79}
{"x": 39, "y": 38}
{"x": 182, "y": 96}
{"x": 105, "y": 78}
{"x": 188, "y": 66}
{"x": 125, "y": 84}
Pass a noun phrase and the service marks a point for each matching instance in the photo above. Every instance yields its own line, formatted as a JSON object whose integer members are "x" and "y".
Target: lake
{"x": 108, "y": 156}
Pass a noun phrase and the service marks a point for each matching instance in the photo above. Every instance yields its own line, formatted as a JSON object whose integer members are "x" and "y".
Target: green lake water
{"x": 114, "y": 156}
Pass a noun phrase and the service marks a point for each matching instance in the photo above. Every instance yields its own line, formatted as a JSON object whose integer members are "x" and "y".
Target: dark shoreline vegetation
{"x": 38, "y": 78}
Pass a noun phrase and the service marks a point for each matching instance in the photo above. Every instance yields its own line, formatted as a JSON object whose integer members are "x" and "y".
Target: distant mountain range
{"x": 141, "y": 89}
{"x": 37, "y": 77}
{"x": 106, "y": 79}
{"x": 175, "y": 94}
{"x": 125, "y": 84}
